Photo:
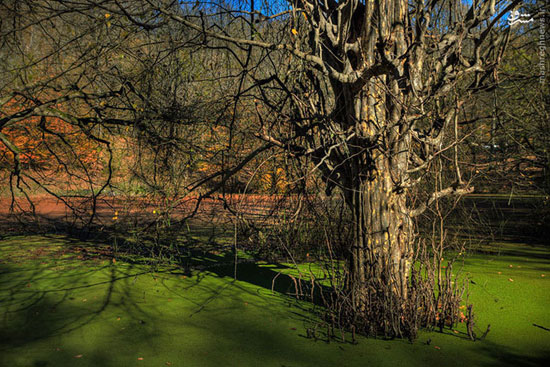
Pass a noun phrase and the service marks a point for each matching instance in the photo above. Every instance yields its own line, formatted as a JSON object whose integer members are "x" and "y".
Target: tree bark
{"x": 381, "y": 255}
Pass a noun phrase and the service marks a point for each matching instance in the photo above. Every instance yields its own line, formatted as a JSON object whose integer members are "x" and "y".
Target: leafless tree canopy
{"x": 364, "y": 94}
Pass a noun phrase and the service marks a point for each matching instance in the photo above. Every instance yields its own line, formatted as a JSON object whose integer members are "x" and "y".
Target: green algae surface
{"x": 79, "y": 308}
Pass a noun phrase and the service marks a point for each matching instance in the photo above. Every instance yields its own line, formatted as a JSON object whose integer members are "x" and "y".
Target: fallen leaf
{"x": 511, "y": 265}
{"x": 84, "y": 300}
{"x": 510, "y": 279}
{"x": 140, "y": 358}
{"x": 455, "y": 331}
{"x": 542, "y": 275}
{"x": 78, "y": 356}
{"x": 294, "y": 31}
{"x": 118, "y": 318}
{"x": 107, "y": 15}
{"x": 292, "y": 328}
{"x": 168, "y": 363}
{"x": 114, "y": 260}
{"x": 436, "y": 347}
{"x": 499, "y": 272}
{"x": 28, "y": 285}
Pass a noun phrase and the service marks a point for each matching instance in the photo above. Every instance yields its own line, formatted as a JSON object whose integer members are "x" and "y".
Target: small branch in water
{"x": 470, "y": 324}
{"x": 541, "y": 327}
{"x": 486, "y": 332}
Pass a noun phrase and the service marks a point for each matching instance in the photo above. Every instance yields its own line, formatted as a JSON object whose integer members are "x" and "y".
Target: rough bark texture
{"x": 381, "y": 255}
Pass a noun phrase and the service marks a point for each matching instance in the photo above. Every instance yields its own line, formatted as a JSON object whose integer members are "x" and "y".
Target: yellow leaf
{"x": 107, "y": 15}
{"x": 294, "y": 31}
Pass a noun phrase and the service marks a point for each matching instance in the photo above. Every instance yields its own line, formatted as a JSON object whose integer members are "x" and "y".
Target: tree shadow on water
{"x": 505, "y": 356}
{"x": 43, "y": 306}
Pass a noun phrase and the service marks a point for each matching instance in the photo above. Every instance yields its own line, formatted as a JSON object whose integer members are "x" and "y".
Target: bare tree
{"x": 377, "y": 86}
{"x": 366, "y": 92}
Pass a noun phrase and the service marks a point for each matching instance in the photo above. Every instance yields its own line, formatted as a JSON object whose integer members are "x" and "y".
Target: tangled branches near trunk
{"x": 316, "y": 242}
{"x": 433, "y": 298}
{"x": 386, "y": 315}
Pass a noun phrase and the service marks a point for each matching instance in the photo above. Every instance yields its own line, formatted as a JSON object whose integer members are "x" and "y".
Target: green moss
{"x": 54, "y": 308}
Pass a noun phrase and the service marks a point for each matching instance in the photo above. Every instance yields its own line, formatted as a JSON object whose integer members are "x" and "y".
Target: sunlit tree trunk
{"x": 375, "y": 167}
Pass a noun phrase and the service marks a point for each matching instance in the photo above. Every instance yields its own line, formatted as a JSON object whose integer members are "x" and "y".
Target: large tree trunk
{"x": 381, "y": 255}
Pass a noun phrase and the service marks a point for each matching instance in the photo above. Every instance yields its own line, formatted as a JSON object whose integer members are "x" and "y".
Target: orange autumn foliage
{"x": 49, "y": 146}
